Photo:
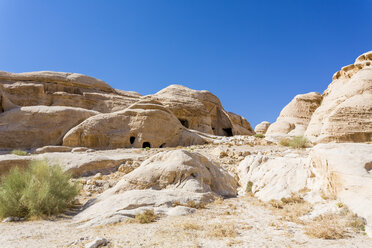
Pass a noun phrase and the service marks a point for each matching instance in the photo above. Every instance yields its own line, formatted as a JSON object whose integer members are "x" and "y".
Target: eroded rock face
{"x": 162, "y": 180}
{"x": 200, "y": 110}
{"x": 240, "y": 125}
{"x": 63, "y": 89}
{"x": 295, "y": 117}
{"x": 344, "y": 171}
{"x": 345, "y": 114}
{"x": 36, "y": 126}
{"x": 144, "y": 124}
{"x": 273, "y": 177}
{"x": 262, "y": 127}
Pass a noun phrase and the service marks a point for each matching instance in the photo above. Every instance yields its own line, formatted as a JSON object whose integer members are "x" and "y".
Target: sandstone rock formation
{"x": 273, "y": 177}
{"x": 32, "y": 91}
{"x": 36, "y": 126}
{"x": 63, "y": 89}
{"x": 295, "y": 117}
{"x": 346, "y": 110}
{"x": 201, "y": 110}
{"x": 146, "y": 123}
{"x": 262, "y": 127}
{"x": 160, "y": 182}
{"x": 345, "y": 171}
{"x": 78, "y": 164}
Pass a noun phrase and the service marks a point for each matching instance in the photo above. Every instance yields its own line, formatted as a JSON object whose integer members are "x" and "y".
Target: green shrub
{"x": 19, "y": 152}
{"x": 295, "y": 142}
{"x": 259, "y": 135}
{"x": 40, "y": 190}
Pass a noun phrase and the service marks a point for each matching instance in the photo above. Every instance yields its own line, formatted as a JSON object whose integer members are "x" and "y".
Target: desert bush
{"x": 295, "y": 142}
{"x": 147, "y": 216}
{"x": 19, "y": 152}
{"x": 249, "y": 187}
{"x": 259, "y": 135}
{"x": 40, "y": 190}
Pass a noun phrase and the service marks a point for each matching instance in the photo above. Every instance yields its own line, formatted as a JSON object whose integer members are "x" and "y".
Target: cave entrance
{"x": 184, "y": 122}
{"x": 132, "y": 139}
{"x": 146, "y": 144}
{"x": 228, "y": 131}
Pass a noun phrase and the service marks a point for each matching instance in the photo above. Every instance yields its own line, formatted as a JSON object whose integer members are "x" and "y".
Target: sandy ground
{"x": 236, "y": 222}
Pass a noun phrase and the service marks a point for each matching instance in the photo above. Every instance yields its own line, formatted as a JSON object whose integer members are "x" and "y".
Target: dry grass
{"x": 226, "y": 230}
{"x": 147, "y": 216}
{"x": 326, "y": 227}
{"x": 19, "y": 153}
{"x": 291, "y": 208}
{"x": 188, "y": 225}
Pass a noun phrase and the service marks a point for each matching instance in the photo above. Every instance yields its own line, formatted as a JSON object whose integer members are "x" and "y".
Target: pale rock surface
{"x": 162, "y": 180}
{"x": 37, "y": 126}
{"x": 262, "y": 127}
{"x": 274, "y": 177}
{"x": 295, "y": 117}
{"x": 145, "y": 123}
{"x": 46, "y": 149}
{"x": 79, "y": 164}
{"x": 201, "y": 110}
{"x": 345, "y": 114}
{"x": 344, "y": 171}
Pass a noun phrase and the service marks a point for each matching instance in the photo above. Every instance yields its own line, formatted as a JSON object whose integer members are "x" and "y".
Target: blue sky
{"x": 254, "y": 55}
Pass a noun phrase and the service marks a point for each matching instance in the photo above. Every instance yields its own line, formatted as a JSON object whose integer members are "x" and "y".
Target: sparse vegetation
{"x": 259, "y": 135}
{"x": 249, "y": 187}
{"x": 192, "y": 204}
{"x": 40, "y": 190}
{"x": 147, "y": 216}
{"x": 222, "y": 230}
{"x": 326, "y": 227}
{"x": 19, "y": 152}
{"x": 295, "y": 142}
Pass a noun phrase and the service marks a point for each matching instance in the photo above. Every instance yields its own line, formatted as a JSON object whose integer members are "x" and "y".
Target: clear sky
{"x": 254, "y": 55}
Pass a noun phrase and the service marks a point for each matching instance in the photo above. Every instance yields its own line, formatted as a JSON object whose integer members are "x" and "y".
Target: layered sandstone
{"x": 346, "y": 110}
{"x": 295, "y": 117}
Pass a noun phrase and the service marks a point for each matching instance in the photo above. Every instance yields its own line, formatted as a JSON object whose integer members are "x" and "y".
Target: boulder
{"x": 37, "y": 126}
{"x": 345, "y": 114}
{"x": 146, "y": 123}
{"x": 345, "y": 171}
{"x": 262, "y": 127}
{"x": 159, "y": 183}
{"x": 295, "y": 117}
{"x": 201, "y": 111}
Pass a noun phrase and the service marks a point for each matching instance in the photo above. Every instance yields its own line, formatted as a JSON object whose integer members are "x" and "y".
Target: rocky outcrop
{"x": 262, "y": 127}
{"x": 200, "y": 110}
{"x": 144, "y": 124}
{"x": 63, "y": 89}
{"x": 345, "y": 114}
{"x": 240, "y": 126}
{"x": 36, "y": 126}
{"x": 160, "y": 126}
{"x": 161, "y": 182}
{"x": 273, "y": 177}
{"x": 295, "y": 117}
{"x": 345, "y": 171}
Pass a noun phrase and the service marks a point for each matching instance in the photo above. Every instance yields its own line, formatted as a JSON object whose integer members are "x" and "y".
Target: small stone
{"x": 97, "y": 243}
